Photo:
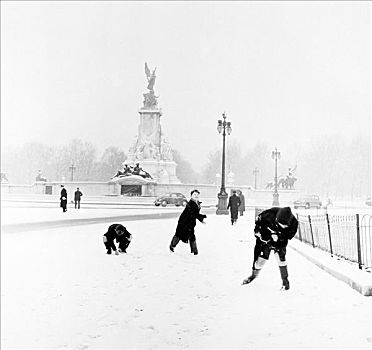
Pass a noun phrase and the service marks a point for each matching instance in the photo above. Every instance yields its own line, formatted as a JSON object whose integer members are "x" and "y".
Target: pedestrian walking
{"x": 242, "y": 203}
{"x": 63, "y": 199}
{"x": 77, "y": 198}
{"x": 234, "y": 203}
{"x": 187, "y": 222}
{"x": 273, "y": 228}
{"x": 119, "y": 233}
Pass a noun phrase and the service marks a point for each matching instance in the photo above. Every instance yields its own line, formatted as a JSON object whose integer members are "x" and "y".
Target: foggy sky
{"x": 283, "y": 72}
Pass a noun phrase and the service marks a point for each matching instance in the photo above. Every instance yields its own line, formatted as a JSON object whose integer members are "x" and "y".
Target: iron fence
{"x": 346, "y": 236}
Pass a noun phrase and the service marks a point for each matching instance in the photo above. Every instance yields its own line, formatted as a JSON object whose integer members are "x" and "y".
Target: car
{"x": 176, "y": 198}
{"x": 368, "y": 201}
{"x": 308, "y": 201}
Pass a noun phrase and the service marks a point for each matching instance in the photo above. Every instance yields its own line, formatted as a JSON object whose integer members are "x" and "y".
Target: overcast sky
{"x": 282, "y": 71}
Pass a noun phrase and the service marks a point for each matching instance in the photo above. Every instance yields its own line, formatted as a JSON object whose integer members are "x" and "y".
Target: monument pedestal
{"x": 162, "y": 171}
{"x": 151, "y": 150}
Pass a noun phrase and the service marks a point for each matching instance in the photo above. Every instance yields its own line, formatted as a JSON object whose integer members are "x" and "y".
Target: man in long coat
{"x": 242, "y": 203}
{"x": 187, "y": 222}
{"x": 63, "y": 199}
{"x": 274, "y": 227}
{"x": 234, "y": 203}
{"x": 77, "y": 198}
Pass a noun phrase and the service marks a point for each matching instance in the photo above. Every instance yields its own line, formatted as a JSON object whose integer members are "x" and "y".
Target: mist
{"x": 291, "y": 75}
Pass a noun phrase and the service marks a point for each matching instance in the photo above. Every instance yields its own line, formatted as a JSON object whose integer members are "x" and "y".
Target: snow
{"x": 60, "y": 290}
{"x": 35, "y": 212}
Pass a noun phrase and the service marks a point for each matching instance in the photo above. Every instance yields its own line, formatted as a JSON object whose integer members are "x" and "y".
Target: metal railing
{"x": 346, "y": 236}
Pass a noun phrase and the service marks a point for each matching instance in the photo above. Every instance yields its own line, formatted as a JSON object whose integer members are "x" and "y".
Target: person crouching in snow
{"x": 187, "y": 222}
{"x": 119, "y": 233}
{"x": 274, "y": 227}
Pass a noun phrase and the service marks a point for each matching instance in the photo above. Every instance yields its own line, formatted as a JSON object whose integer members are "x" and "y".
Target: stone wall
{"x": 253, "y": 197}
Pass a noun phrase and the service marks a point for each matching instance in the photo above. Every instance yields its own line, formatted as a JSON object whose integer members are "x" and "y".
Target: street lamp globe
{"x": 275, "y": 153}
{"x": 219, "y": 126}
{"x": 228, "y": 128}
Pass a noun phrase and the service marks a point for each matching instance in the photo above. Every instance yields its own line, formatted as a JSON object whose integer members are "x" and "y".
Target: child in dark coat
{"x": 187, "y": 222}
{"x": 119, "y": 233}
{"x": 273, "y": 228}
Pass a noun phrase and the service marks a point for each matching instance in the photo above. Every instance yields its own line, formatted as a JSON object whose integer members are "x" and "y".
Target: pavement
{"x": 21, "y": 215}
{"x": 360, "y": 280}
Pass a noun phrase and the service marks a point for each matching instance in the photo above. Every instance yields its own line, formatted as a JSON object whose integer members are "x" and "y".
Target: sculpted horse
{"x": 290, "y": 182}
{"x": 287, "y": 183}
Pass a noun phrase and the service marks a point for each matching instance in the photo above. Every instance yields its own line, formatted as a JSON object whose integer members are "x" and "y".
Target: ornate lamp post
{"x": 255, "y": 173}
{"x": 223, "y": 127}
{"x": 72, "y": 168}
{"x": 276, "y": 155}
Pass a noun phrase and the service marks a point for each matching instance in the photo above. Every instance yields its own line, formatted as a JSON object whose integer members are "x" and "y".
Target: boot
{"x": 107, "y": 246}
{"x": 123, "y": 247}
{"x": 173, "y": 243}
{"x": 255, "y": 273}
{"x": 194, "y": 248}
{"x": 284, "y": 276}
{"x": 285, "y": 285}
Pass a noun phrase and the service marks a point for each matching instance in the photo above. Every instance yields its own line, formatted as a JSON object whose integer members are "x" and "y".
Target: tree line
{"x": 331, "y": 166}
{"x": 22, "y": 163}
{"x": 334, "y": 167}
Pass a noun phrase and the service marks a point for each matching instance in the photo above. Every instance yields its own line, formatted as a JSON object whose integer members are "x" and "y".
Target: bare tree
{"x": 80, "y": 154}
{"x": 109, "y": 163}
{"x": 184, "y": 170}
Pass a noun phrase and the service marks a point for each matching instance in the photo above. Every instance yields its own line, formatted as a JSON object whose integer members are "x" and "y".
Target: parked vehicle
{"x": 175, "y": 198}
{"x": 308, "y": 201}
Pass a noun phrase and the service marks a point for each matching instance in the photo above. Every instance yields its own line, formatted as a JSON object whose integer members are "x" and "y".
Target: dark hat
{"x": 194, "y": 191}
{"x": 121, "y": 229}
{"x": 234, "y": 191}
{"x": 284, "y": 215}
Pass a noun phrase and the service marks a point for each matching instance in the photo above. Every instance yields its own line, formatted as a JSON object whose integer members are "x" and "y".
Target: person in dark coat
{"x": 234, "y": 203}
{"x": 77, "y": 198}
{"x": 187, "y": 222}
{"x": 119, "y": 233}
{"x": 242, "y": 203}
{"x": 274, "y": 227}
{"x": 63, "y": 199}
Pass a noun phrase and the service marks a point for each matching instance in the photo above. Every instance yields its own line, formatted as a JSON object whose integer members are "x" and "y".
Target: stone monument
{"x": 150, "y": 148}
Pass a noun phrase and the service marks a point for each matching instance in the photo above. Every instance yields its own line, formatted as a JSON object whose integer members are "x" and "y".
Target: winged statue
{"x": 150, "y": 77}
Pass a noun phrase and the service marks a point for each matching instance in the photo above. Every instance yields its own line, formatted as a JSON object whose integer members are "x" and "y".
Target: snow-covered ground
{"x": 60, "y": 290}
{"x": 36, "y": 212}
